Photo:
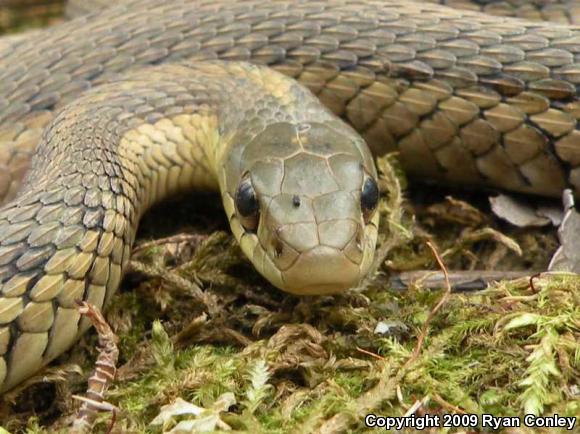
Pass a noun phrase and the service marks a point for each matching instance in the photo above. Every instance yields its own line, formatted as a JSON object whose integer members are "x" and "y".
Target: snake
{"x": 280, "y": 108}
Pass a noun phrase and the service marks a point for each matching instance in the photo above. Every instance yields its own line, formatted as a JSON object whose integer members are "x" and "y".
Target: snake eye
{"x": 369, "y": 197}
{"x": 247, "y": 205}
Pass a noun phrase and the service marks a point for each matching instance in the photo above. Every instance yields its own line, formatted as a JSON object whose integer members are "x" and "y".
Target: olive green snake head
{"x": 302, "y": 201}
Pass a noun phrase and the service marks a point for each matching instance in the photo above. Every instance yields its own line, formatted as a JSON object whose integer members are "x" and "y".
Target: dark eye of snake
{"x": 369, "y": 197}
{"x": 247, "y": 205}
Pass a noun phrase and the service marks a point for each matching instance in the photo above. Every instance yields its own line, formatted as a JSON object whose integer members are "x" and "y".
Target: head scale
{"x": 302, "y": 200}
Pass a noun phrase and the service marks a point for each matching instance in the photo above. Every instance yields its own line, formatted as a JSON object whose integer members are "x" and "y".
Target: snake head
{"x": 302, "y": 202}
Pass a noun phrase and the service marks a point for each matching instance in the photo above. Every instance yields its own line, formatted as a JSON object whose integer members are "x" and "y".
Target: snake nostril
{"x": 296, "y": 201}
{"x": 278, "y": 249}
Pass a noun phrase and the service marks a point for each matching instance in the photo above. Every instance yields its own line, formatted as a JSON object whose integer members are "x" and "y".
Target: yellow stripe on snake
{"x": 465, "y": 98}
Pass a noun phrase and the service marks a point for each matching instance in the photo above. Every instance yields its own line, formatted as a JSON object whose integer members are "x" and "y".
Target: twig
{"x": 236, "y": 336}
{"x": 104, "y": 374}
{"x": 190, "y": 329}
{"x": 400, "y": 396}
{"x": 369, "y": 353}
{"x": 460, "y": 280}
{"x": 180, "y": 238}
{"x": 447, "y": 405}
{"x": 416, "y": 406}
{"x": 434, "y": 311}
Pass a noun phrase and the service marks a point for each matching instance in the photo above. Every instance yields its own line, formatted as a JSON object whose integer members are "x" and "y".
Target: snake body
{"x": 464, "y": 97}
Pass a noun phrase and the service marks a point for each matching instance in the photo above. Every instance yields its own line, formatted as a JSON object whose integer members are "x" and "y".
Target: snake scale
{"x": 123, "y": 112}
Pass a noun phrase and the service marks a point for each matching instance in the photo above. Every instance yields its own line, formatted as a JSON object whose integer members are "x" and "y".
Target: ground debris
{"x": 103, "y": 375}
{"x": 522, "y": 213}
{"x": 193, "y": 419}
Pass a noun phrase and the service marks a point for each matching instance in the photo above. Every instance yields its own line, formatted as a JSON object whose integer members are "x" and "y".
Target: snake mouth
{"x": 321, "y": 270}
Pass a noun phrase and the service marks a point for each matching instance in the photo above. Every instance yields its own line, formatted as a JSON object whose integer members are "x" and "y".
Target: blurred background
{"x": 17, "y": 15}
